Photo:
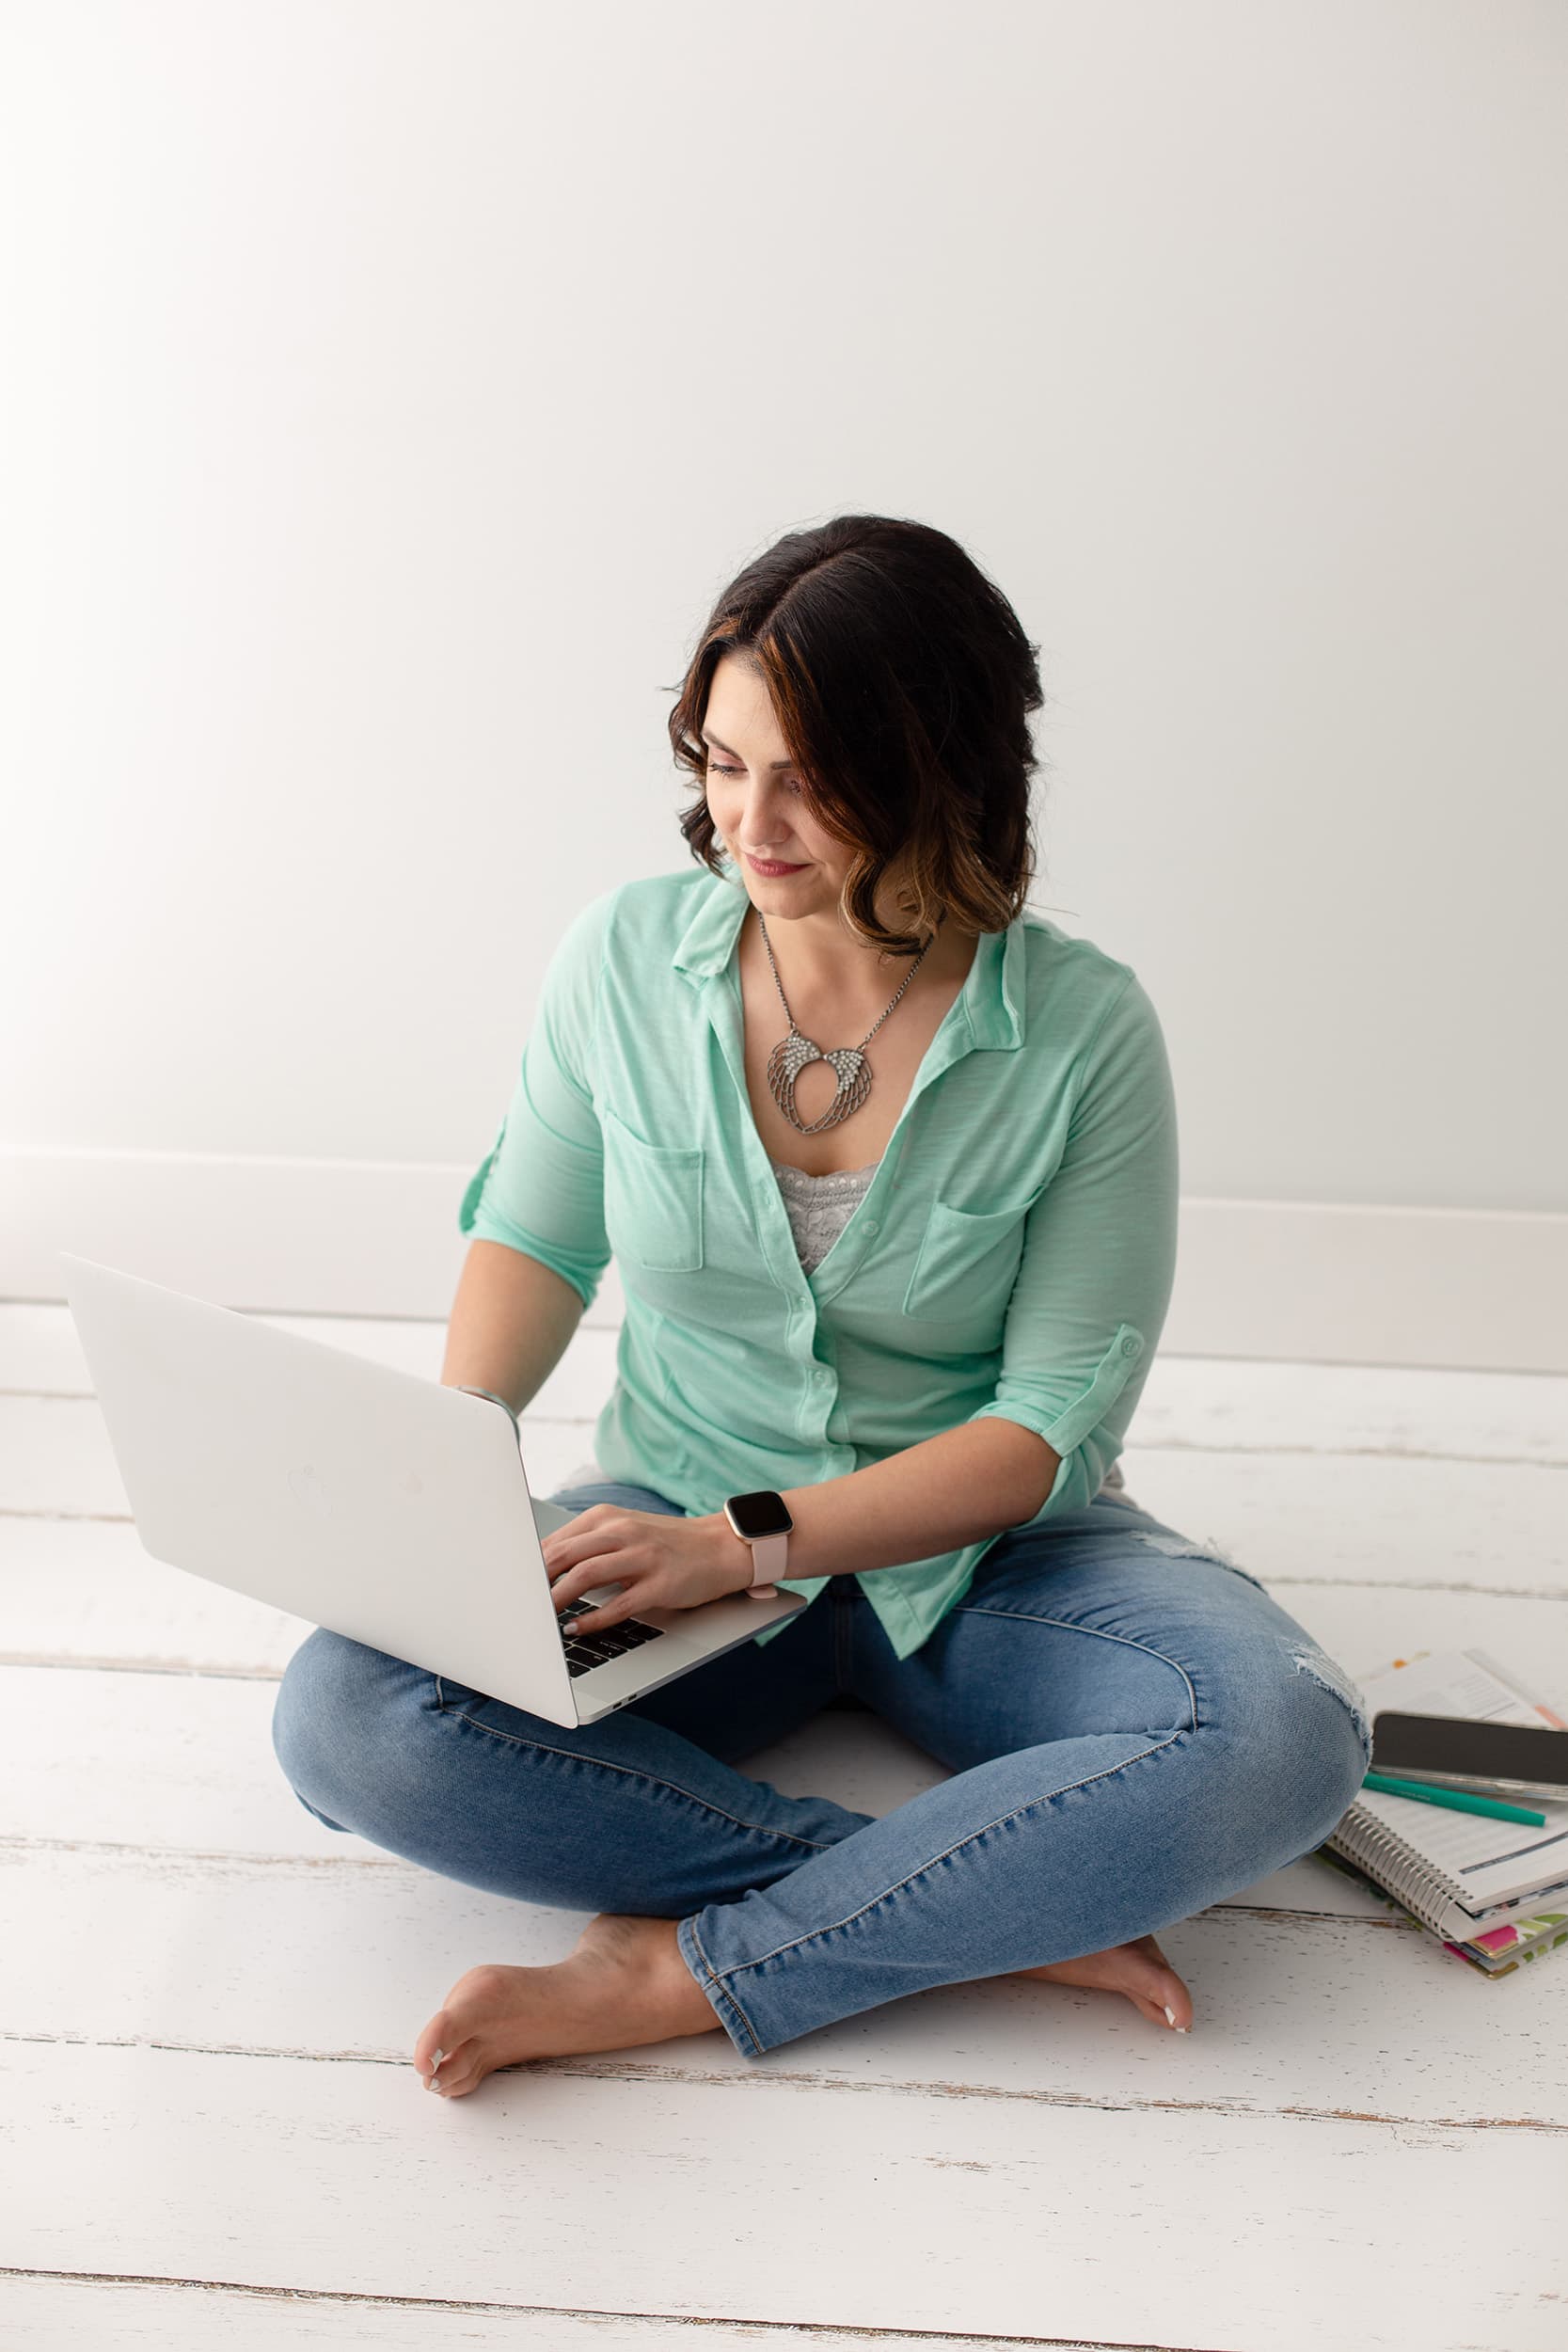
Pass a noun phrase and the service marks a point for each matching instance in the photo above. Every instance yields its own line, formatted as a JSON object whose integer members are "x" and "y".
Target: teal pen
{"x": 1459, "y": 1798}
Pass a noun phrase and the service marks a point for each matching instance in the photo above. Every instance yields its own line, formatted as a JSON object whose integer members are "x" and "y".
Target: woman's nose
{"x": 762, "y": 826}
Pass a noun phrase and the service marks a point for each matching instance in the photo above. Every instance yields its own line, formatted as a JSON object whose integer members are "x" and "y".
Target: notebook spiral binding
{"x": 1394, "y": 1862}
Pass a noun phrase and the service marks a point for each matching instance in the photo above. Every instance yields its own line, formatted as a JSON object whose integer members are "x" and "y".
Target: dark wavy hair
{"x": 902, "y": 682}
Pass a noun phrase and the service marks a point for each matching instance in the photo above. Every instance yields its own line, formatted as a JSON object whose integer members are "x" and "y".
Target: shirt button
{"x": 822, "y": 1375}
{"x": 871, "y": 1226}
{"x": 1130, "y": 1346}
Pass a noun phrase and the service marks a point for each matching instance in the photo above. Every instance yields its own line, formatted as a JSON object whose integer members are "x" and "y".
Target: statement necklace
{"x": 849, "y": 1065}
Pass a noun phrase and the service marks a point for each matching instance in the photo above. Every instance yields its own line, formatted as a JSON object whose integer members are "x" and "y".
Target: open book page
{"x": 1456, "y": 1682}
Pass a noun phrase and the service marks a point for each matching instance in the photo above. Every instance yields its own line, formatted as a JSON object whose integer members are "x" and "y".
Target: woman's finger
{"x": 594, "y": 1556}
{"x": 577, "y": 1582}
{"x": 583, "y": 1534}
{"x": 607, "y": 1614}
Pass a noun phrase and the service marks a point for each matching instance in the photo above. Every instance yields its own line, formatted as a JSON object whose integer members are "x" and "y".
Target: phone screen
{"x": 1461, "y": 1747}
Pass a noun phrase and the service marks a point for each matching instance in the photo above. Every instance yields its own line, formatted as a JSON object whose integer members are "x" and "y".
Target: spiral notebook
{"x": 1494, "y": 1891}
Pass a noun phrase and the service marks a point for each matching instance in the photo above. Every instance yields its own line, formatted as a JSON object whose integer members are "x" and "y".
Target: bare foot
{"x": 1139, "y": 1969}
{"x": 624, "y": 1983}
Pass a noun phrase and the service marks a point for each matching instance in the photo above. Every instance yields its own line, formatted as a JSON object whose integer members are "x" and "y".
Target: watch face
{"x": 762, "y": 1514}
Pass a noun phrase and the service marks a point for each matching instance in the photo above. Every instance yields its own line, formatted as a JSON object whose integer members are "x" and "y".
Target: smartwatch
{"x": 763, "y": 1521}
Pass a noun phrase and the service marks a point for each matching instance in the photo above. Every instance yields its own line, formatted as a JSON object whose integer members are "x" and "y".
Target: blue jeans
{"x": 1133, "y": 1728}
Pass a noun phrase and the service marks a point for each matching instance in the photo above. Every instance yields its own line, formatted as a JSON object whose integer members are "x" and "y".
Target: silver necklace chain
{"x": 793, "y": 1053}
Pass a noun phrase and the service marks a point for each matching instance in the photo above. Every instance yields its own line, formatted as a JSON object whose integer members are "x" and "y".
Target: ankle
{"x": 686, "y": 2005}
{"x": 644, "y": 1954}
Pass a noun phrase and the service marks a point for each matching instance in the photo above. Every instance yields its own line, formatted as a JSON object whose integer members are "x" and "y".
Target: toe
{"x": 441, "y": 2034}
{"x": 453, "y": 2070}
{"x": 1156, "y": 1987}
{"x": 456, "y": 2081}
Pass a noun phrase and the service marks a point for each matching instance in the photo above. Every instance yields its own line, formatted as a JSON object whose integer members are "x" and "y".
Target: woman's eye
{"x": 717, "y": 768}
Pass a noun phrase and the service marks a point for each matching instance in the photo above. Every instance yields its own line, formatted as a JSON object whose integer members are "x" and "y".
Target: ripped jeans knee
{"x": 1306, "y": 1656}
{"x": 1309, "y": 1660}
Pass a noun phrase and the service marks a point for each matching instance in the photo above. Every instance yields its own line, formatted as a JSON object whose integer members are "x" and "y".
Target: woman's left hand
{"x": 660, "y": 1561}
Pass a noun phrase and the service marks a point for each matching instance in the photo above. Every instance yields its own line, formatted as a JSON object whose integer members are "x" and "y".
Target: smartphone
{"x": 1462, "y": 1752}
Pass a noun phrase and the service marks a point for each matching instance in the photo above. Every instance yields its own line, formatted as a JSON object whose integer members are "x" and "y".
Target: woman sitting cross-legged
{"x": 888, "y": 1165}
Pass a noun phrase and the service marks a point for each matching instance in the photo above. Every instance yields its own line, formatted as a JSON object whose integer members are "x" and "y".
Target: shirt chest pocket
{"x": 967, "y": 1262}
{"x": 653, "y": 1200}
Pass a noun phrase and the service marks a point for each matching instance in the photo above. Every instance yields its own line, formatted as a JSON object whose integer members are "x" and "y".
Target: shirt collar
{"x": 992, "y": 998}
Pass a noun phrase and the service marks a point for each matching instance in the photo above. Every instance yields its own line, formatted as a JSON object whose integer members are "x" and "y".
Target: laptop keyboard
{"x": 593, "y": 1650}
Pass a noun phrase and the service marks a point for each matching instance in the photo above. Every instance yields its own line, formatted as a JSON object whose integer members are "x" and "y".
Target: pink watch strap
{"x": 768, "y": 1555}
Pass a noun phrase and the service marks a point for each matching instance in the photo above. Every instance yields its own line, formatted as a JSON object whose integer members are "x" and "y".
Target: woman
{"x": 888, "y": 1168}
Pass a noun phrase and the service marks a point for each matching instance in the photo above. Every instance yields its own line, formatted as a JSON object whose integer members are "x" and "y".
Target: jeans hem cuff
{"x": 724, "y": 2007}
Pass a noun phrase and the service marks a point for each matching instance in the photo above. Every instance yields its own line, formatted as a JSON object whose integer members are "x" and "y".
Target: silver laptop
{"x": 383, "y": 1506}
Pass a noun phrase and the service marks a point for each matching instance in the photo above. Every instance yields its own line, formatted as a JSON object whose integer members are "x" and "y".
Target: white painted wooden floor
{"x": 212, "y": 2134}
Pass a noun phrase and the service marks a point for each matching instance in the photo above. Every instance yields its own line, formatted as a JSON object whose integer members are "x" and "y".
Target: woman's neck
{"x": 826, "y": 964}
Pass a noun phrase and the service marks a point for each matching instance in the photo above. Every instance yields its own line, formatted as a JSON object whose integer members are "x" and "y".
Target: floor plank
{"x": 1479, "y": 1526}
{"x": 55, "y": 2313}
{"x": 1303, "y": 2016}
{"x": 270, "y": 2171}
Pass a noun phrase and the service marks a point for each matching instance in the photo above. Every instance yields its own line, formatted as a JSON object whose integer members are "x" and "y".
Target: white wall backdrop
{"x": 390, "y": 384}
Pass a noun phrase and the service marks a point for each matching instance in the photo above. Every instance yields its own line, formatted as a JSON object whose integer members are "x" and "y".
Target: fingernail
{"x": 1170, "y": 2020}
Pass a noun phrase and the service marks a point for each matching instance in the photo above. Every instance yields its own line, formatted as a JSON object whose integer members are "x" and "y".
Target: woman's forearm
{"x": 953, "y": 1489}
{"x": 510, "y": 1324}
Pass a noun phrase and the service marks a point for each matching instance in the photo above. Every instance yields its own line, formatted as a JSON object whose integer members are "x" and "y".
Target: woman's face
{"x": 754, "y": 797}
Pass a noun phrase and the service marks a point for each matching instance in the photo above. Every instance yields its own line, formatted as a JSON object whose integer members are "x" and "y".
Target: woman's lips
{"x": 771, "y": 865}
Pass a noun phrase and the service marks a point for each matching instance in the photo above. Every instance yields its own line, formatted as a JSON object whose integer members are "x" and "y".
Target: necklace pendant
{"x": 849, "y": 1067}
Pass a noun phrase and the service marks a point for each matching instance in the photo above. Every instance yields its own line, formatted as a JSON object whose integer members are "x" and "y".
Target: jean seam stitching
{"x": 1027, "y": 1616}
{"x": 1001, "y": 1820}
{"x": 726, "y": 1989}
{"x": 603, "y": 1764}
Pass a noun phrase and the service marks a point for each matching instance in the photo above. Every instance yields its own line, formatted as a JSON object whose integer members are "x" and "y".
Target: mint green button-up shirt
{"x": 1013, "y": 1255}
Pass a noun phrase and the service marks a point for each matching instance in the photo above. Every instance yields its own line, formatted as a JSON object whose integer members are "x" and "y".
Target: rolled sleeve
{"x": 1098, "y": 1262}
{"x": 540, "y": 1189}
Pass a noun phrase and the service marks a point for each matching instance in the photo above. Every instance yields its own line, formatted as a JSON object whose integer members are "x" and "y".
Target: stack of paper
{"x": 1495, "y": 1893}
